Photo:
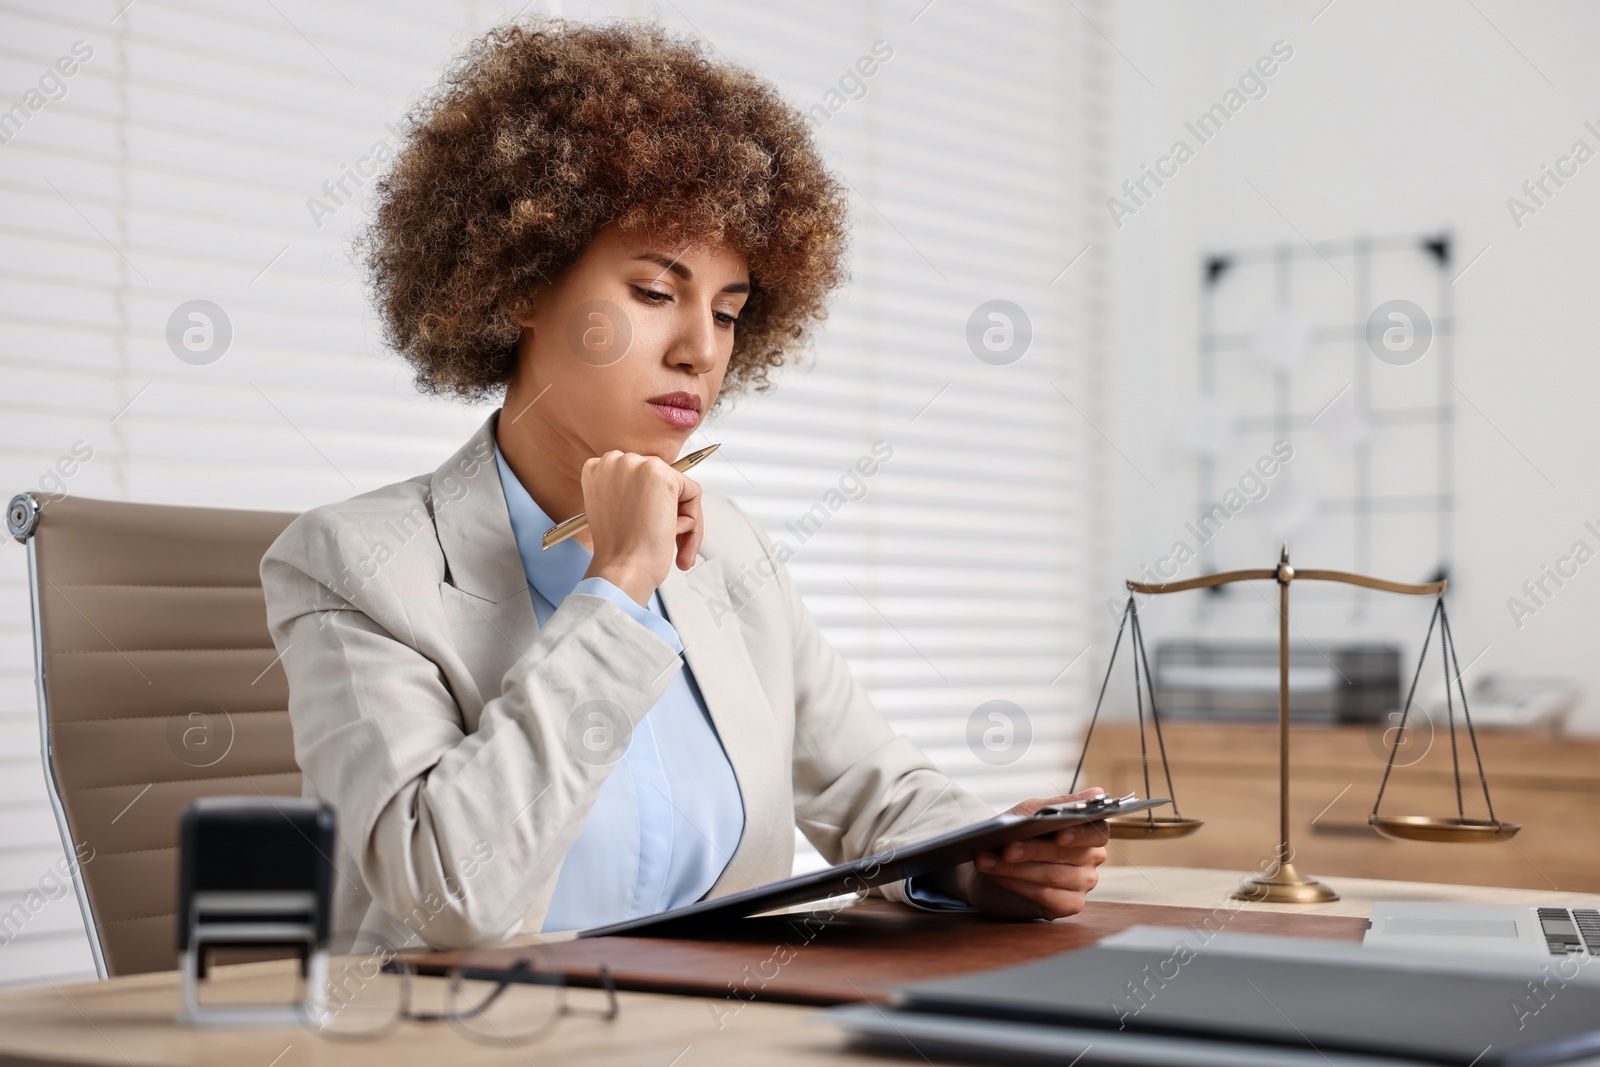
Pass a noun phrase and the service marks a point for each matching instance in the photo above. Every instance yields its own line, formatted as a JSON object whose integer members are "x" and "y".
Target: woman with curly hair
{"x": 612, "y": 233}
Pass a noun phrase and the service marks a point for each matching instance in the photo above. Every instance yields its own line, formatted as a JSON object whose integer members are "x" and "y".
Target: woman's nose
{"x": 696, "y": 348}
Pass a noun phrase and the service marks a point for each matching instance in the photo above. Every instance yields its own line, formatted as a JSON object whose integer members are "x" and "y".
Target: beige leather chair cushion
{"x": 161, "y": 685}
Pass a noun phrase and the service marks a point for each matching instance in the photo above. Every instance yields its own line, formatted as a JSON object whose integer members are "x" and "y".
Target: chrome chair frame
{"x": 22, "y": 519}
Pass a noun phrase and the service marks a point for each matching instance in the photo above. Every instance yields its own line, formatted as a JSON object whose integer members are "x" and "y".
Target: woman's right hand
{"x": 642, "y": 514}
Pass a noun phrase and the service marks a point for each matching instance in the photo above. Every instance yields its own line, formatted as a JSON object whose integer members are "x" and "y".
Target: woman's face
{"x": 628, "y": 348}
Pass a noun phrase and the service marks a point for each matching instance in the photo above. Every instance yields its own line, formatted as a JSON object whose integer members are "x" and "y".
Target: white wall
{"x": 179, "y": 166}
{"x": 1389, "y": 118}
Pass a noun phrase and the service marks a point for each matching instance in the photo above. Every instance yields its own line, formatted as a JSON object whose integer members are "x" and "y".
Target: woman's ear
{"x": 526, "y": 310}
{"x": 523, "y": 313}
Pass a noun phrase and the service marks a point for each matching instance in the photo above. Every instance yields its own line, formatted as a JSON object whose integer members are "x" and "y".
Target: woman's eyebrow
{"x": 666, "y": 262}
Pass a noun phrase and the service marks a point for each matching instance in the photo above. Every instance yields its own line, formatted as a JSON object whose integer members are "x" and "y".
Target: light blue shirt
{"x": 669, "y": 815}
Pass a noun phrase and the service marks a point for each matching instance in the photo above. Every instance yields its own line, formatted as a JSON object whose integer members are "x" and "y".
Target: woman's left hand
{"x": 1043, "y": 878}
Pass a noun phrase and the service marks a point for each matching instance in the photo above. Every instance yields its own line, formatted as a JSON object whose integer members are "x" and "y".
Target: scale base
{"x": 1285, "y": 885}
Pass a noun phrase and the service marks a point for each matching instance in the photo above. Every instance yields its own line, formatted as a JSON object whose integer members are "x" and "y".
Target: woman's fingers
{"x": 643, "y": 517}
{"x": 1054, "y": 845}
{"x": 1069, "y": 857}
{"x": 1053, "y": 903}
{"x": 1090, "y": 833}
{"x": 1075, "y": 856}
{"x": 1078, "y": 877}
{"x": 1050, "y": 874}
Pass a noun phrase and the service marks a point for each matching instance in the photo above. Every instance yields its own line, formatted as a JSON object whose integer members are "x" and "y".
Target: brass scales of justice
{"x": 1283, "y": 884}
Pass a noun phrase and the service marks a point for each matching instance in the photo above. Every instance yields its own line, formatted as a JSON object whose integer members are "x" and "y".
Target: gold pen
{"x": 580, "y": 522}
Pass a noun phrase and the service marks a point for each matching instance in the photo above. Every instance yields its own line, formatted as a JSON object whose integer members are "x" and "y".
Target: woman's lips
{"x": 677, "y": 409}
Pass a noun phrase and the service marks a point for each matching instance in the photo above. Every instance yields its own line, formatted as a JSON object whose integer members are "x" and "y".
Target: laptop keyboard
{"x": 1569, "y": 930}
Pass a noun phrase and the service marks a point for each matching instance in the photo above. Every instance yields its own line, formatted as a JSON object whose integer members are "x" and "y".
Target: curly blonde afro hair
{"x": 545, "y": 131}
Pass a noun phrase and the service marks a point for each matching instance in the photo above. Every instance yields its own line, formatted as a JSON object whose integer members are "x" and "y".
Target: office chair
{"x": 157, "y": 683}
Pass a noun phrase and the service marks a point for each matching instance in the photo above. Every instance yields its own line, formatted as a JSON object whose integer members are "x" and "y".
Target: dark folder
{"x": 924, "y": 857}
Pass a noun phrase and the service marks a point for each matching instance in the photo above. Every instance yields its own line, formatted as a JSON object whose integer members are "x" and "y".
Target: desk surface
{"x": 1195, "y": 887}
{"x": 128, "y": 1021}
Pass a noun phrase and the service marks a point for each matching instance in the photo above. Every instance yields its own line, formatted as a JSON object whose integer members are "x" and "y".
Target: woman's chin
{"x": 652, "y": 440}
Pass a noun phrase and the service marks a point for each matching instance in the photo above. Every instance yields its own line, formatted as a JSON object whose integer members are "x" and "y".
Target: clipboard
{"x": 857, "y": 876}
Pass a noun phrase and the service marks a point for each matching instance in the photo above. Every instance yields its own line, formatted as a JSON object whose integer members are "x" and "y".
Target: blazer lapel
{"x": 714, "y": 647}
{"x": 486, "y": 595}
{"x": 469, "y": 511}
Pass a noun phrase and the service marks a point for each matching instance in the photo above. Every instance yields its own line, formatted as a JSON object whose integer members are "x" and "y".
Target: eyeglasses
{"x": 485, "y": 998}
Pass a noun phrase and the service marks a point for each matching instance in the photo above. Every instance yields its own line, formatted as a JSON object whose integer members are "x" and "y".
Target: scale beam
{"x": 1382, "y": 584}
{"x": 1203, "y": 582}
{"x": 1227, "y": 577}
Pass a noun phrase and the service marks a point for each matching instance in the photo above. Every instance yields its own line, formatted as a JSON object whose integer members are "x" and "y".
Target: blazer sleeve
{"x": 860, "y": 788}
{"x": 379, "y": 736}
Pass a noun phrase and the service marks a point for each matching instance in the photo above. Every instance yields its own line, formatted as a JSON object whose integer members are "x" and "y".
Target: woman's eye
{"x": 651, "y": 296}
{"x": 725, "y": 319}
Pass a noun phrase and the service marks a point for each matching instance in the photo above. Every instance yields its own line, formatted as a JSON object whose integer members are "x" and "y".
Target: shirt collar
{"x": 552, "y": 572}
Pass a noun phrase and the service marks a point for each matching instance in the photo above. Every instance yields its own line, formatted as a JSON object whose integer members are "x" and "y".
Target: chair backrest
{"x": 158, "y": 683}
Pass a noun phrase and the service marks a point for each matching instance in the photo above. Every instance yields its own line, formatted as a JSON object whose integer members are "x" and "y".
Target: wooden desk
{"x": 128, "y": 1021}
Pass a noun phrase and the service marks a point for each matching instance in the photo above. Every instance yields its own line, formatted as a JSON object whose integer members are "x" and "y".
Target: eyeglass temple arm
{"x": 612, "y": 1008}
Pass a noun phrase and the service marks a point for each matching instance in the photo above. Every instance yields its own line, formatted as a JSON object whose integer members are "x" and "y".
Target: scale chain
{"x": 1155, "y": 719}
{"x": 1452, "y": 663}
{"x": 1089, "y": 733}
{"x": 1138, "y": 697}
{"x": 1472, "y": 734}
{"x": 1400, "y": 734}
{"x": 1450, "y": 706}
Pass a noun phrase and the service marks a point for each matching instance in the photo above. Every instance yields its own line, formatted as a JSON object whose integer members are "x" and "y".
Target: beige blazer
{"x": 446, "y": 728}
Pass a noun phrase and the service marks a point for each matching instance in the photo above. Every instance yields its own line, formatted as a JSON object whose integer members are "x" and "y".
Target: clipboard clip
{"x": 1094, "y": 805}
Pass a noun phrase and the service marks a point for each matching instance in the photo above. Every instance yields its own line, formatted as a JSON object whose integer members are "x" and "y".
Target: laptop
{"x": 1189, "y": 998}
{"x": 1512, "y": 930}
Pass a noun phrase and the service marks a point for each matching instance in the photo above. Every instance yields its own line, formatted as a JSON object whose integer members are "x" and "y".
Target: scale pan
{"x": 1449, "y": 831}
{"x": 1142, "y": 828}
